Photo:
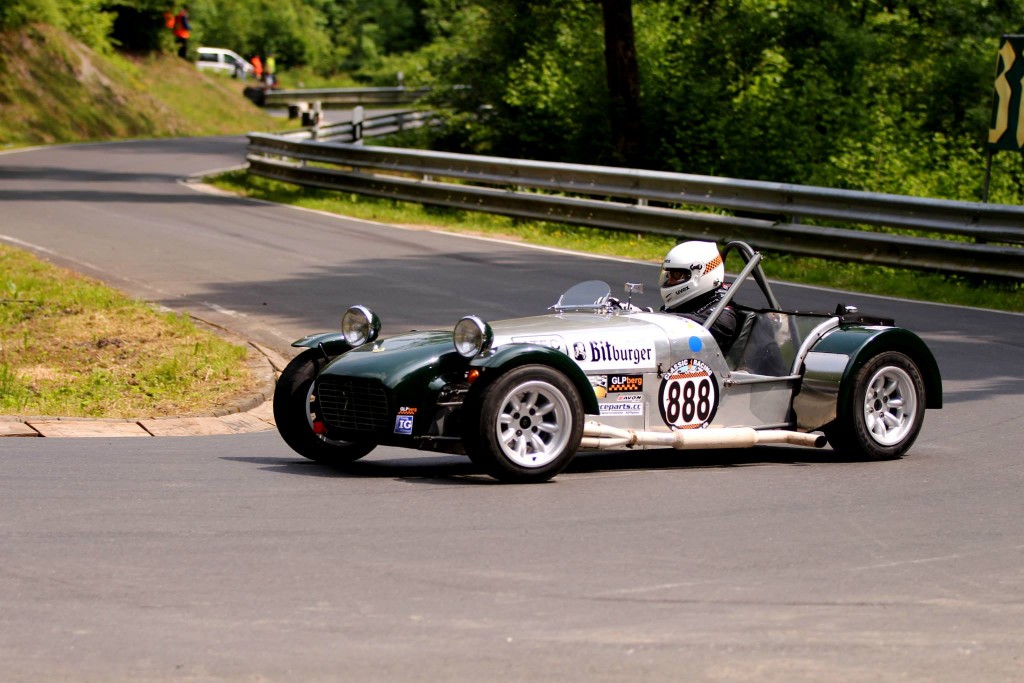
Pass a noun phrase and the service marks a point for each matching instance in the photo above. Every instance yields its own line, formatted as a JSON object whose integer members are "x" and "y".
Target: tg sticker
{"x": 688, "y": 397}
{"x": 403, "y": 424}
{"x": 404, "y": 420}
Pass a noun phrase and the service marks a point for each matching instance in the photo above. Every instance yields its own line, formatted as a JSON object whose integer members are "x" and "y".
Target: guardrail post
{"x": 357, "y": 126}
{"x": 316, "y": 120}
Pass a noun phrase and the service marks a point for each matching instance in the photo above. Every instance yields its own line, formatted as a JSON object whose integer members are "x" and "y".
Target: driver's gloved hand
{"x": 631, "y": 308}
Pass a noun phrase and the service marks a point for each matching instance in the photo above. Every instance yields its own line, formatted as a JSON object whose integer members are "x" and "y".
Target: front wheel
{"x": 527, "y": 426}
{"x": 294, "y": 407}
{"x": 886, "y": 409}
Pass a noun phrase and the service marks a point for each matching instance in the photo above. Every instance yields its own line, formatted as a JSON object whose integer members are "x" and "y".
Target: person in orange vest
{"x": 257, "y": 67}
{"x": 181, "y": 31}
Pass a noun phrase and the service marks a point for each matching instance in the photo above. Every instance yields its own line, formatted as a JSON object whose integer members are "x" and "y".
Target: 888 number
{"x": 689, "y": 401}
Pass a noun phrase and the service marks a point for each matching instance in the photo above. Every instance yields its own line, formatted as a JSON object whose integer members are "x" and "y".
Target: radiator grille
{"x": 353, "y": 403}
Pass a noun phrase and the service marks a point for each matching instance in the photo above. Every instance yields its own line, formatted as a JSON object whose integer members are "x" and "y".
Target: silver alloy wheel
{"x": 534, "y": 424}
{"x": 890, "y": 405}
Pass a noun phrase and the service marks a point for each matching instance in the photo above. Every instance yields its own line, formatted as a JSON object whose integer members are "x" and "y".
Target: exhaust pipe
{"x": 604, "y": 437}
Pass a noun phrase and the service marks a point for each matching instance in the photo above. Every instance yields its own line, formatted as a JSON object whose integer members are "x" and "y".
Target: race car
{"x": 521, "y": 397}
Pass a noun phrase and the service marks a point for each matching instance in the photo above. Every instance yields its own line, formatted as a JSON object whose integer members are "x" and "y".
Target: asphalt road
{"x": 229, "y": 559}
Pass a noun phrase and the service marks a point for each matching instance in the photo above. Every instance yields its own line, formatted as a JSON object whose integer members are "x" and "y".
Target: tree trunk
{"x": 623, "y": 79}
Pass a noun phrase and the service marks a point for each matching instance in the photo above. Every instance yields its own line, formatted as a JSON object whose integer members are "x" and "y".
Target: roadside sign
{"x": 1006, "y": 127}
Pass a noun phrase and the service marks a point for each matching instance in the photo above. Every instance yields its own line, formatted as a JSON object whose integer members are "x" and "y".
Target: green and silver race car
{"x": 520, "y": 397}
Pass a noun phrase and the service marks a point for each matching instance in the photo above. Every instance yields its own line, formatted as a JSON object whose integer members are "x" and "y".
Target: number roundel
{"x": 689, "y": 395}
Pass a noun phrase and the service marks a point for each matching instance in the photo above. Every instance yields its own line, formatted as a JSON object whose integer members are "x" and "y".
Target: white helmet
{"x": 690, "y": 269}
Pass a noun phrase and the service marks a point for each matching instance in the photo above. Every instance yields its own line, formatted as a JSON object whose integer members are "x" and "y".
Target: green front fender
{"x": 331, "y": 343}
{"x": 516, "y": 355}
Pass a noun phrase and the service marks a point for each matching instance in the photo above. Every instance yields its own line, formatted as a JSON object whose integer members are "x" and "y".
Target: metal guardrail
{"x": 363, "y": 127}
{"x": 766, "y": 215}
{"x": 342, "y": 96}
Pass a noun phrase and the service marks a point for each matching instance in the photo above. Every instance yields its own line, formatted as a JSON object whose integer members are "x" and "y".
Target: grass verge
{"x": 870, "y": 279}
{"x": 73, "y": 347}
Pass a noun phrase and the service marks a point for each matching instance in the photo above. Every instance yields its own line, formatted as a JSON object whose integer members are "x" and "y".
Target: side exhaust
{"x": 603, "y": 437}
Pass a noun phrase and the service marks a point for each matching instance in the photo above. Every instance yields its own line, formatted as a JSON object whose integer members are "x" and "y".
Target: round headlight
{"x": 360, "y": 325}
{"x": 472, "y": 336}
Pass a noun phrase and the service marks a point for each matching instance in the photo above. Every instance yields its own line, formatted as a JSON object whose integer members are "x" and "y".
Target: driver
{"x": 691, "y": 282}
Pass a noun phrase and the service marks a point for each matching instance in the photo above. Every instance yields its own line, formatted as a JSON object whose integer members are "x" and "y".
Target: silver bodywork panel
{"x": 660, "y": 372}
{"x": 815, "y": 405}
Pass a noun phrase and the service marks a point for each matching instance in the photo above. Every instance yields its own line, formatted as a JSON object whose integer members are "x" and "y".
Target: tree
{"x": 623, "y": 77}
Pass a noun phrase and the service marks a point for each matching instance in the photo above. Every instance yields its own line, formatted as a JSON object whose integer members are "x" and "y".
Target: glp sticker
{"x": 689, "y": 395}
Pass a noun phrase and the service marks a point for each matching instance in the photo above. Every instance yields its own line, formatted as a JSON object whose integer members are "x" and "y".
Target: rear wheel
{"x": 294, "y": 410}
{"x": 528, "y": 425}
{"x": 885, "y": 411}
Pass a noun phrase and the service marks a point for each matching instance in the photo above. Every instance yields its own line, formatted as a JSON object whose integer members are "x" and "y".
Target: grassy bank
{"x": 53, "y": 89}
{"x": 71, "y": 346}
{"x": 871, "y": 279}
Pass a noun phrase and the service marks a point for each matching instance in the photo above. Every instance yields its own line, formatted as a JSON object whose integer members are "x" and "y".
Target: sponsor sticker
{"x": 632, "y": 408}
{"x": 552, "y": 341}
{"x": 688, "y": 397}
{"x": 611, "y": 353}
{"x": 403, "y": 424}
{"x": 618, "y": 383}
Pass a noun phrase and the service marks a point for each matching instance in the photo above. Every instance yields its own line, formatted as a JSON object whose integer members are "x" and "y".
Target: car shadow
{"x": 454, "y": 469}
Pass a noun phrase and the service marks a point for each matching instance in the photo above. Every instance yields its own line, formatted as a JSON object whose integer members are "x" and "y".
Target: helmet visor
{"x": 670, "y": 277}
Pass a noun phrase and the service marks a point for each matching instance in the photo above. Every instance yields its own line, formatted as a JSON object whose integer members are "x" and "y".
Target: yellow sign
{"x": 1006, "y": 128}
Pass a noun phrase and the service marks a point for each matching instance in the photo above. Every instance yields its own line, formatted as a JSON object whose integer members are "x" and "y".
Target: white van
{"x": 221, "y": 60}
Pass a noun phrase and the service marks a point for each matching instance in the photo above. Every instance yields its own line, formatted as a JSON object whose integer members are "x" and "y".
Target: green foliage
{"x": 324, "y": 35}
{"x": 364, "y": 31}
{"x": 17, "y": 13}
{"x": 292, "y": 30}
{"x": 874, "y": 95}
{"x": 86, "y": 20}
{"x": 535, "y": 72}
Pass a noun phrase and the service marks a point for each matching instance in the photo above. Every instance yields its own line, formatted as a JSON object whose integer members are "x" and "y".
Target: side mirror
{"x": 631, "y": 288}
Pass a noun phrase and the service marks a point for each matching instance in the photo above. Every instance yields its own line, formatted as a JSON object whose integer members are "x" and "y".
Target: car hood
{"x": 603, "y": 342}
{"x": 596, "y": 342}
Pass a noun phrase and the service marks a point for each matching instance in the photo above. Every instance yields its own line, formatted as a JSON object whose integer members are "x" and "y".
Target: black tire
{"x": 292, "y": 411}
{"x": 532, "y": 450}
{"x": 885, "y": 409}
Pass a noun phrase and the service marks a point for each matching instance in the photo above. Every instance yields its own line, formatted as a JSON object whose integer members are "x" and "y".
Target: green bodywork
{"x": 332, "y": 343}
{"x": 862, "y": 343}
{"x": 417, "y": 366}
{"x": 515, "y": 355}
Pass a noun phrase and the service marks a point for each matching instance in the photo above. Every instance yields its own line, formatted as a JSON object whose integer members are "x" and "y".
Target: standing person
{"x": 271, "y": 68}
{"x": 257, "y": 67}
{"x": 181, "y": 31}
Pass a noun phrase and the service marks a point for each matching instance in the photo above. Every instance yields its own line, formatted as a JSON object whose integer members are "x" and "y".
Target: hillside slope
{"x": 55, "y": 89}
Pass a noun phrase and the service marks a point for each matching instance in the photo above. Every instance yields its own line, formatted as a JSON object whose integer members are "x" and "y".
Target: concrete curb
{"x": 253, "y": 413}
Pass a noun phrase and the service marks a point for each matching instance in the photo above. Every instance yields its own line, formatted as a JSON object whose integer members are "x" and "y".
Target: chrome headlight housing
{"x": 472, "y": 336}
{"x": 360, "y": 325}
